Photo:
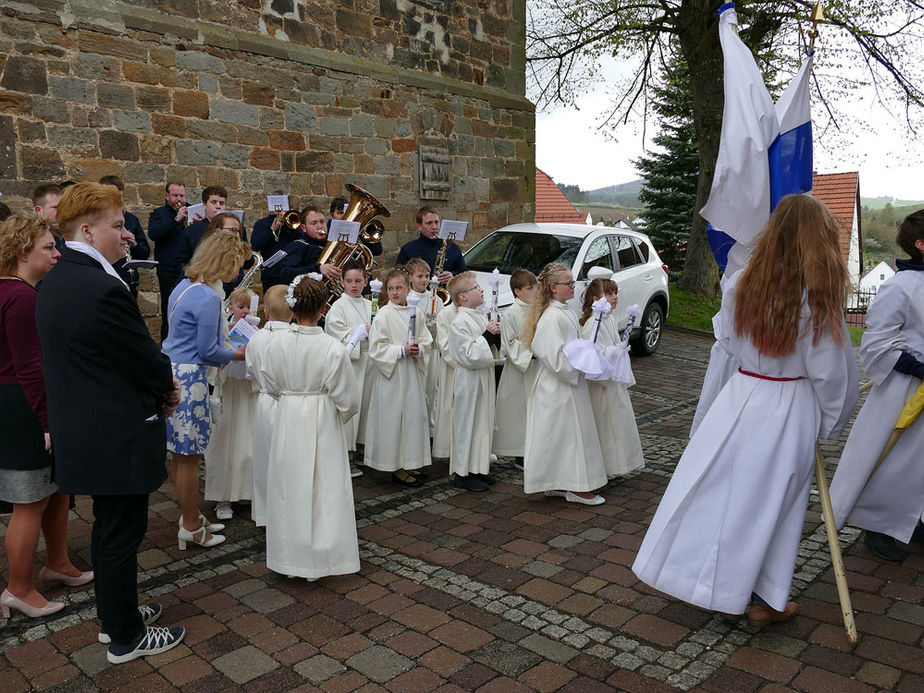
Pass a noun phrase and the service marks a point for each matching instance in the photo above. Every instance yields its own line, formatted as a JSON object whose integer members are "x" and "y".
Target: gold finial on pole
{"x": 818, "y": 16}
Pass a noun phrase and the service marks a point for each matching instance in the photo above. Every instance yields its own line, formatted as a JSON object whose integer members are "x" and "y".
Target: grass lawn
{"x": 856, "y": 333}
{"x": 692, "y": 310}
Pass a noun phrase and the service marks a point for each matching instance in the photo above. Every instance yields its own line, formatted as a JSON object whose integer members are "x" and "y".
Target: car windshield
{"x": 533, "y": 251}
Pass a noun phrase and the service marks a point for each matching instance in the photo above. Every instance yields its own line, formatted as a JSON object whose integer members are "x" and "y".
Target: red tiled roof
{"x": 839, "y": 192}
{"x": 551, "y": 203}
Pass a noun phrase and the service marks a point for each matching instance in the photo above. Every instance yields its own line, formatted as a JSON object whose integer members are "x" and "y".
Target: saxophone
{"x": 441, "y": 292}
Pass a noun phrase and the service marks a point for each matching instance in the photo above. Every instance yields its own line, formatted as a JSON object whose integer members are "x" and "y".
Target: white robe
{"x": 472, "y": 394}
{"x": 562, "y": 449}
{"x": 730, "y": 521}
{"x": 515, "y": 381}
{"x": 229, "y": 455}
{"x": 432, "y": 359}
{"x": 263, "y": 344}
{"x": 310, "y": 521}
{"x": 442, "y": 433}
{"x": 893, "y": 500}
{"x": 613, "y": 413}
{"x": 397, "y": 431}
{"x": 345, "y": 313}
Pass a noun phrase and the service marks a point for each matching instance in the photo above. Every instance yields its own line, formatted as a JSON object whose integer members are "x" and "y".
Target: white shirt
{"x": 88, "y": 249}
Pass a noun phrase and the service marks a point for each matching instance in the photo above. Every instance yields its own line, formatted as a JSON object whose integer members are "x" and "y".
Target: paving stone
{"x": 319, "y": 668}
{"x": 245, "y": 664}
{"x": 506, "y": 658}
{"x": 266, "y": 600}
{"x": 379, "y": 663}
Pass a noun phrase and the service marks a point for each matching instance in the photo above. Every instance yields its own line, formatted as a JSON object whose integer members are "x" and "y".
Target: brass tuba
{"x": 362, "y": 208}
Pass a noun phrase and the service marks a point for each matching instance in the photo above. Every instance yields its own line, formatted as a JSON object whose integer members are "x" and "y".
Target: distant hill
{"x": 880, "y": 202}
{"x": 622, "y": 195}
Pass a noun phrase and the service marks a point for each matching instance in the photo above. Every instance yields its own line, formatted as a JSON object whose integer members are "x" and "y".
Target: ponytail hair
{"x": 310, "y": 296}
{"x": 598, "y": 288}
{"x": 541, "y": 300}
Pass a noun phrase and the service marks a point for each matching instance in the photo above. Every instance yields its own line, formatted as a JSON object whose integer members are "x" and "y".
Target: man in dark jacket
{"x": 165, "y": 227}
{"x": 138, "y": 246}
{"x": 109, "y": 388}
{"x": 304, "y": 254}
{"x": 427, "y": 246}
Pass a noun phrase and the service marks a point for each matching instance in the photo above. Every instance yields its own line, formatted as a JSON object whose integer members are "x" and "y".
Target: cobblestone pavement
{"x": 492, "y": 592}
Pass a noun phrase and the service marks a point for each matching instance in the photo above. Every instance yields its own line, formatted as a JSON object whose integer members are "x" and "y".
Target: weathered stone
{"x": 258, "y": 94}
{"x": 235, "y": 155}
{"x": 263, "y": 158}
{"x": 30, "y": 131}
{"x": 141, "y": 173}
{"x": 67, "y": 136}
{"x": 245, "y": 664}
{"x": 270, "y": 118}
{"x": 235, "y": 112}
{"x": 70, "y": 89}
{"x": 7, "y": 148}
{"x": 92, "y": 66}
{"x": 208, "y": 83}
{"x": 119, "y": 145}
{"x": 191, "y": 103}
{"x": 285, "y": 140}
{"x": 133, "y": 121}
{"x": 196, "y": 152}
{"x": 314, "y": 162}
{"x": 211, "y": 130}
{"x": 92, "y": 42}
{"x": 94, "y": 169}
{"x": 21, "y": 73}
{"x": 115, "y": 95}
{"x": 335, "y": 126}
{"x": 168, "y": 125}
{"x": 300, "y": 117}
{"x": 197, "y": 61}
{"x": 40, "y": 163}
{"x": 152, "y": 98}
{"x": 16, "y": 103}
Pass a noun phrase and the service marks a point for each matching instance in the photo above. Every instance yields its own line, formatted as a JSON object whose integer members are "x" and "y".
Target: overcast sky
{"x": 572, "y": 149}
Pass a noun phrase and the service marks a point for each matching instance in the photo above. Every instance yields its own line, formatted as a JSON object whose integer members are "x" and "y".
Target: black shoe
{"x": 918, "y": 535}
{"x": 419, "y": 474}
{"x": 518, "y": 462}
{"x": 884, "y": 547}
{"x": 485, "y": 479}
{"x": 411, "y": 481}
{"x": 469, "y": 482}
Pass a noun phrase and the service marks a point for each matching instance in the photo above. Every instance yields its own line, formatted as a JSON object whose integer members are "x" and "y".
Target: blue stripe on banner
{"x": 790, "y": 158}
{"x": 726, "y": 6}
{"x": 720, "y": 243}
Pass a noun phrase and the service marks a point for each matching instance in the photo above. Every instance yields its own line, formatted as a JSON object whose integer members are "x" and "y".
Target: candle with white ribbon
{"x": 495, "y": 284}
{"x": 434, "y": 283}
{"x": 375, "y": 286}
{"x": 600, "y": 307}
{"x": 412, "y": 300}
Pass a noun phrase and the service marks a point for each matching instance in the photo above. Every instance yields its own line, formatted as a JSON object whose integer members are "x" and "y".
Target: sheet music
{"x": 453, "y": 230}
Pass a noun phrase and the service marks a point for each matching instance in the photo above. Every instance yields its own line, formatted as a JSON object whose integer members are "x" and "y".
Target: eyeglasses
{"x": 571, "y": 283}
{"x": 465, "y": 291}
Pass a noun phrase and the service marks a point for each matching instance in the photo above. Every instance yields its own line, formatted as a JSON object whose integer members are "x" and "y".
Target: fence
{"x": 855, "y": 306}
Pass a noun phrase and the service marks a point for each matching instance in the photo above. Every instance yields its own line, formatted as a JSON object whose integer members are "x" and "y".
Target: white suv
{"x": 626, "y": 256}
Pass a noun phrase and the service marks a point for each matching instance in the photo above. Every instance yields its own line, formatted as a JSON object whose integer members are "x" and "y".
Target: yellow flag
{"x": 912, "y": 408}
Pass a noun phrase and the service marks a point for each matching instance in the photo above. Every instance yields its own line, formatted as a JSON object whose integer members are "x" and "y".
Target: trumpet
{"x": 291, "y": 218}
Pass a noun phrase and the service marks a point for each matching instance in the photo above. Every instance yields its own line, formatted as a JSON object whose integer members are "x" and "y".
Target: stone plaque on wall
{"x": 434, "y": 172}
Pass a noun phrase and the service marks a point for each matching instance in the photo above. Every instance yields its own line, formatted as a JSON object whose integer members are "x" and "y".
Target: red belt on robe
{"x": 768, "y": 377}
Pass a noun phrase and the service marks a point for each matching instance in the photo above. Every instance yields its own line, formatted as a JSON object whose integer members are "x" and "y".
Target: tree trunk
{"x": 699, "y": 41}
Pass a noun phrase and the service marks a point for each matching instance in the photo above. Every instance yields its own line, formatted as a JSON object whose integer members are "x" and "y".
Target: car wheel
{"x": 649, "y": 336}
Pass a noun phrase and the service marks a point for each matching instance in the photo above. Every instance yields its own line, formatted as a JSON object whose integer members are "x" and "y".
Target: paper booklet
{"x": 195, "y": 212}
{"x": 241, "y": 332}
{"x": 346, "y": 231}
{"x": 277, "y": 203}
{"x": 453, "y": 230}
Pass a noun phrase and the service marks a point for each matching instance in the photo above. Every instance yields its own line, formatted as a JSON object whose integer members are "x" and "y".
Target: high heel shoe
{"x": 211, "y": 528}
{"x": 184, "y": 535}
{"x": 8, "y": 602}
{"x": 48, "y": 578}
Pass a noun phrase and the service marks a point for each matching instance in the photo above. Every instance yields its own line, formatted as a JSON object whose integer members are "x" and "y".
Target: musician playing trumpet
{"x": 428, "y": 246}
{"x": 304, "y": 253}
{"x": 273, "y": 232}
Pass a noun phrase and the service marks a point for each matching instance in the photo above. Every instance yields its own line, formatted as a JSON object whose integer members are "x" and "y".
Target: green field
{"x": 692, "y": 310}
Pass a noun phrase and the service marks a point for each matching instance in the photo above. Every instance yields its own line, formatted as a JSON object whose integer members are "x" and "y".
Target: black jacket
{"x": 303, "y": 256}
{"x": 166, "y": 233}
{"x": 106, "y": 381}
{"x": 427, "y": 250}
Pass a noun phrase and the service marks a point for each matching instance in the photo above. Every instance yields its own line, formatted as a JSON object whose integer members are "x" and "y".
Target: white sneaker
{"x": 355, "y": 471}
{"x": 149, "y": 614}
{"x": 154, "y": 641}
{"x": 224, "y": 512}
{"x": 575, "y": 498}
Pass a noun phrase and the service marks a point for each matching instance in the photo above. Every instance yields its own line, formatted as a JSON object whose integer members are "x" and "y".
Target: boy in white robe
{"x": 429, "y": 307}
{"x": 888, "y": 502}
{"x": 442, "y": 434}
{"x": 349, "y": 310}
{"x": 277, "y": 314}
{"x": 473, "y": 386}
{"x": 310, "y": 520}
{"x": 397, "y": 428}
{"x": 518, "y": 373}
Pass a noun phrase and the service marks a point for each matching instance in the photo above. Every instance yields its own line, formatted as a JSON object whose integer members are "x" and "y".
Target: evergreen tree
{"x": 670, "y": 173}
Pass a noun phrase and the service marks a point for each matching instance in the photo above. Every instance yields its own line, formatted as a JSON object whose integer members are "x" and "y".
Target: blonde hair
{"x": 274, "y": 303}
{"x": 798, "y": 254}
{"x": 85, "y": 203}
{"x": 310, "y": 296}
{"x": 541, "y": 300}
{"x": 416, "y": 264}
{"x": 396, "y": 272}
{"x": 219, "y": 256}
{"x": 455, "y": 284}
{"x": 598, "y": 288}
{"x": 241, "y": 296}
{"x": 18, "y": 236}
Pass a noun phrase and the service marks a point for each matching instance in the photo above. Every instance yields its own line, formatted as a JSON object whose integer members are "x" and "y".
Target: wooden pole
{"x": 837, "y": 560}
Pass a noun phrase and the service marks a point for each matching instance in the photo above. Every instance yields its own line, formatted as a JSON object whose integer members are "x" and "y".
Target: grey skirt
{"x": 26, "y": 485}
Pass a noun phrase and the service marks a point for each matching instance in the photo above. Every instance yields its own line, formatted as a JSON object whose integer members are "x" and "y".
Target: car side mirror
{"x": 599, "y": 273}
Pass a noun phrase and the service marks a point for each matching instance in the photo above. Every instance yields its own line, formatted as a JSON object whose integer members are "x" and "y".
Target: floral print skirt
{"x": 189, "y": 427}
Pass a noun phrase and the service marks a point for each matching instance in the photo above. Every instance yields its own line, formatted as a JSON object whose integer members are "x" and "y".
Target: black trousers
{"x": 119, "y": 525}
{"x": 167, "y": 279}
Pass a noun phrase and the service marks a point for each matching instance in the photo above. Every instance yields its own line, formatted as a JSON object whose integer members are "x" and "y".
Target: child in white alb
{"x": 442, "y": 431}
{"x": 429, "y": 307}
{"x": 473, "y": 386}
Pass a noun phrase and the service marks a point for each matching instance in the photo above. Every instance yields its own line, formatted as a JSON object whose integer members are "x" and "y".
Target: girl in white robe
{"x": 397, "y": 428}
{"x": 889, "y": 501}
{"x": 563, "y": 456}
{"x": 429, "y": 307}
{"x": 473, "y": 386}
{"x": 613, "y": 413}
{"x": 349, "y": 310}
{"x": 310, "y": 521}
{"x": 518, "y": 372}
{"x": 727, "y": 530}
{"x": 442, "y": 433}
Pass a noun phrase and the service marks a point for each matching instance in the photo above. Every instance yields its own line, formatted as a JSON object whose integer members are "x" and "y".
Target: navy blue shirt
{"x": 302, "y": 257}
{"x": 427, "y": 250}
{"x": 166, "y": 233}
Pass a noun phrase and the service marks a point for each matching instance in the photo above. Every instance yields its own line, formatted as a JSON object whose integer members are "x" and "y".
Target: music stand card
{"x": 453, "y": 230}
{"x": 195, "y": 212}
{"x": 276, "y": 203}
{"x": 346, "y": 231}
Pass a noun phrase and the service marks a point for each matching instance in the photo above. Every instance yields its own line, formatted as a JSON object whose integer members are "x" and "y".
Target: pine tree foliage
{"x": 671, "y": 171}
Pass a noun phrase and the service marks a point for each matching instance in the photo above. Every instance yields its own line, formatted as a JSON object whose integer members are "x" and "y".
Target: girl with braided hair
{"x": 310, "y": 522}
{"x": 562, "y": 456}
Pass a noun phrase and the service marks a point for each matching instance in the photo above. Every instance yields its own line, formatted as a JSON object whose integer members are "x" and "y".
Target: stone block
{"x": 94, "y": 169}
{"x": 300, "y": 117}
{"x": 258, "y": 94}
{"x": 505, "y": 148}
{"x": 286, "y": 140}
{"x": 115, "y": 95}
{"x": 96, "y": 67}
{"x": 152, "y": 98}
{"x": 235, "y": 155}
{"x": 132, "y": 121}
{"x": 211, "y": 130}
{"x": 71, "y": 89}
{"x": 40, "y": 163}
{"x": 318, "y": 669}
{"x": 172, "y": 126}
{"x": 505, "y": 190}
{"x": 163, "y": 55}
{"x": 105, "y": 44}
{"x": 254, "y": 136}
{"x": 235, "y": 112}
{"x": 358, "y": 24}
{"x": 7, "y": 150}
{"x": 29, "y": 131}
{"x": 67, "y": 136}
{"x": 375, "y": 146}
{"x": 379, "y": 663}
{"x": 119, "y": 145}
{"x": 245, "y": 664}
{"x": 21, "y": 73}
{"x": 271, "y": 118}
{"x": 343, "y": 163}
{"x": 142, "y": 173}
{"x": 264, "y": 158}
{"x": 191, "y": 103}
{"x": 196, "y": 152}
{"x": 361, "y": 125}
{"x": 314, "y": 162}
{"x": 196, "y": 61}
{"x": 16, "y": 103}
{"x": 146, "y": 74}
{"x": 388, "y": 165}
{"x": 208, "y": 83}
{"x": 335, "y": 126}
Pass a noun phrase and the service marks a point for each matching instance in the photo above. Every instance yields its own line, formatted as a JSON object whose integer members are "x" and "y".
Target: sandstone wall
{"x": 264, "y": 94}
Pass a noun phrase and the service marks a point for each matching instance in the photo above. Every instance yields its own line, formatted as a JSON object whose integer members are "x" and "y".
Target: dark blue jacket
{"x": 166, "y": 233}
{"x": 427, "y": 250}
{"x": 141, "y": 251}
{"x": 302, "y": 257}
